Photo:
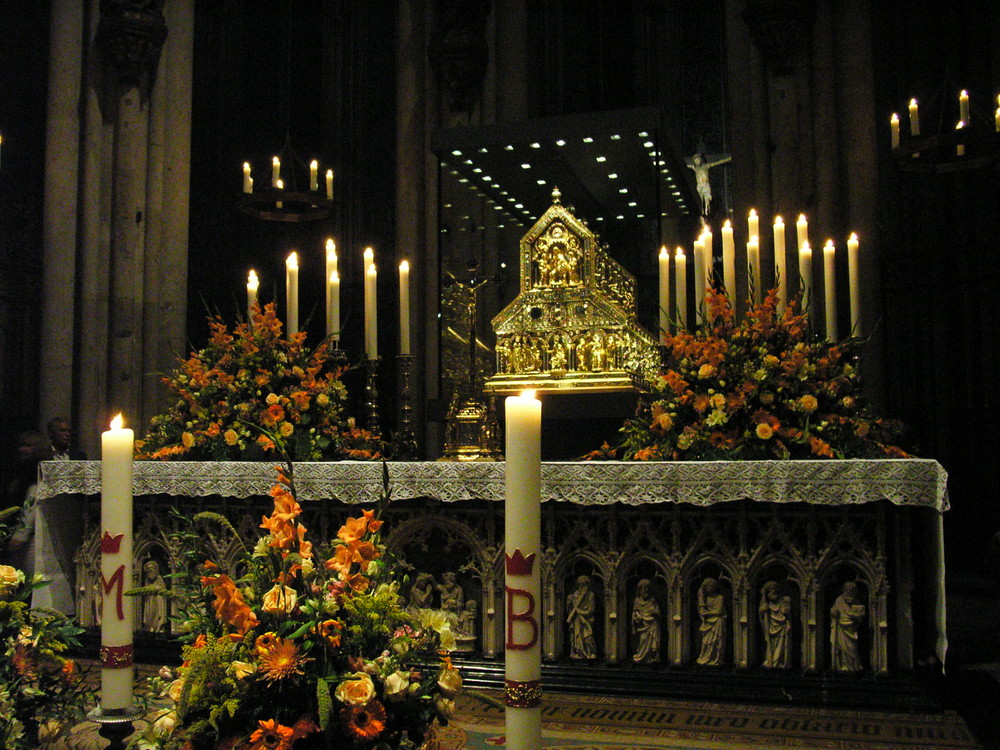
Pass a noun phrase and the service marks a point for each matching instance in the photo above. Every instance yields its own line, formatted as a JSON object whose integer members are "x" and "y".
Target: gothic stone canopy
{"x": 572, "y": 326}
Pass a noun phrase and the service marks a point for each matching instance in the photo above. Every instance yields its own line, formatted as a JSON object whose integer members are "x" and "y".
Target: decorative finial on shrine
{"x": 556, "y": 195}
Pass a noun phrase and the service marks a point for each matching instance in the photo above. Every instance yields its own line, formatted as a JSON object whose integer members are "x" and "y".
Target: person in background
{"x": 61, "y": 434}
{"x": 31, "y": 449}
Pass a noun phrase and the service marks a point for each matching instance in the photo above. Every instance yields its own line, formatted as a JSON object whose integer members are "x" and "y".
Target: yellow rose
{"x": 706, "y": 371}
{"x": 272, "y": 398}
{"x": 285, "y": 429}
{"x": 322, "y": 399}
{"x": 450, "y": 682}
{"x": 717, "y": 400}
{"x": 358, "y": 690}
{"x": 10, "y": 577}
{"x": 764, "y": 431}
{"x": 241, "y": 669}
{"x": 280, "y": 600}
{"x": 771, "y": 361}
{"x": 809, "y": 403}
{"x": 230, "y": 437}
{"x": 187, "y": 439}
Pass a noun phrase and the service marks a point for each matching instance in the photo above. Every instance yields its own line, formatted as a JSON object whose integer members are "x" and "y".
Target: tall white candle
{"x": 780, "y": 263}
{"x": 332, "y": 297}
{"x": 404, "y": 307}
{"x": 329, "y": 184}
{"x": 292, "y": 293}
{"x": 894, "y": 129}
{"x": 914, "y": 118}
{"x": 314, "y": 175}
{"x": 371, "y": 313}
{"x": 708, "y": 247}
{"x": 753, "y": 224}
{"x": 117, "y": 621}
{"x": 369, "y": 258}
{"x": 253, "y": 283}
{"x": 805, "y": 274}
{"x": 247, "y": 179}
{"x": 275, "y": 171}
{"x": 523, "y": 591}
{"x": 680, "y": 279}
{"x": 754, "y": 283}
{"x": 664, "y": 299}
{"x": 699, "y": 276}
{"x": 801, "y": 231}
{"x": 854, "y": 282}
{"x": 960, "y": 146}
{"x": 729, "y": 261}
{"x": 830, "y": 289}
{"x": 333, "y": 306}
{"x": 963, "y": 106}
{"x": 280, "y": 184}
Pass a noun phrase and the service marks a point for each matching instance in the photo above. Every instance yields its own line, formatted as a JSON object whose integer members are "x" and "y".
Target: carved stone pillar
{"x": 129, "y": 36}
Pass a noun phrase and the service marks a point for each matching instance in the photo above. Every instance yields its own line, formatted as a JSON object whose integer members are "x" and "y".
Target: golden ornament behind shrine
{"x": 572, "y": 327}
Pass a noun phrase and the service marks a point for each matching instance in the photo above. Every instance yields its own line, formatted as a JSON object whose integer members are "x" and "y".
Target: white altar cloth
{"x": 916, "y": 482}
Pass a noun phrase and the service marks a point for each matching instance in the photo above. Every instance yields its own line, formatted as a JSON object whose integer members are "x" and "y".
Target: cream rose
{"x": 396, "y": 686}
{"x": 280, "y": 600}
{"x": 445, "y": 708}
{"x": 165, "y": 723}
{"x": 356, "y": 691}
{"x": 450, "y": 682}
{"x": 175, "y": 689}
{"x": 9, "y": 577}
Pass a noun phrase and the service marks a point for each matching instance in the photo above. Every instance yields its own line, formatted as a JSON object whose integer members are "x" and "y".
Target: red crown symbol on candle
{"x": 111, "y": 544}
{"x": 518, "y": 564}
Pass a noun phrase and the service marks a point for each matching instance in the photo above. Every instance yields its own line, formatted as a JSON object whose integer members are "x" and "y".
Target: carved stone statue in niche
{"x": 774, "y": 612}
{"x": 645, "y": 624}
{"x": 154, "y": 606}
{"x": 465, "y": 635}
{"x": 580, "y": 609}
{"x": 421, "y": 593}
{"x": 846, "y": 616}
{"x": 452, "y": 596}
{"x": 712, "y": 611}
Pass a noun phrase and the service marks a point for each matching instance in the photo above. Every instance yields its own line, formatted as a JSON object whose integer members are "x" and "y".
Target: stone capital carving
{"x": 776, "y": 27}
{"x": 130, "y": 35}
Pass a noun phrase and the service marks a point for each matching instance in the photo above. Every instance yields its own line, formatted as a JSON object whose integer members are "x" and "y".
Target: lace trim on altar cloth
{"x": 920, "y": 482}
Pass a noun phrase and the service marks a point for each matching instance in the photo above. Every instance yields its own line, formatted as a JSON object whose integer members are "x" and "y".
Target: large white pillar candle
{"x": 332, "y": 290}
{"x": 853, "y": 282}
{"x": 371, "y": 312}
{"x": 404, "y": 307}
{"x": 754, "y": 283}
{"x": 830, "y": 290}
{"x": 252, "y": 285}
{"x": 680, "y": 279}
{"x": 523, "y": 590}
{"x": 117, "y": 666}
{"x": 664, "y": 298}
{"x": 292, "y": 293}
{"x": 780, "y": 263}
{"x": 729, "y": 261}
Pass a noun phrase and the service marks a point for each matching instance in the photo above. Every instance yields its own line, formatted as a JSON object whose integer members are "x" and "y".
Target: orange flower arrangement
{"x": 309, "y": 648}
{"x": 251, "y": 392}
{"x": 761, "y": 388}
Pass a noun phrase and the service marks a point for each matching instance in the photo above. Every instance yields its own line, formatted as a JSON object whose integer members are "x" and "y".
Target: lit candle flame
{"x": 292, "y": 261}
{"x": 116, "y": 422}
{"x": 530, "y": 393}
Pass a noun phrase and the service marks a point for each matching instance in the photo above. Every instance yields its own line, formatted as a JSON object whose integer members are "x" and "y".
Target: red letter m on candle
{"x": 526, "y": 617}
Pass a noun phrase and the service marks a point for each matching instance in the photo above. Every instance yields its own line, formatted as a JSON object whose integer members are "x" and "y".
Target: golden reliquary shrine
{"x": 572, "y": 326}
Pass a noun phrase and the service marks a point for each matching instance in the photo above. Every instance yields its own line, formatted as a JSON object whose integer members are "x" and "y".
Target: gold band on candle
{"x": 116, "y": 657}
{"x": 518, "y": 694}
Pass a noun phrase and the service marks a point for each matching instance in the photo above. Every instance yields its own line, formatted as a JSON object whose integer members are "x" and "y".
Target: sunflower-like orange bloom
{"x": 230, "y": 607}
{"x": 329, "y": 630}
{"x": 282, "y": 660}
{"x": 364, "y": 722}
{"x": 272, "y": 736}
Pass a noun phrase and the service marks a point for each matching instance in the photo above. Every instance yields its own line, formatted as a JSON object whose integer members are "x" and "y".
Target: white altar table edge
{"x": 913, "y": 482}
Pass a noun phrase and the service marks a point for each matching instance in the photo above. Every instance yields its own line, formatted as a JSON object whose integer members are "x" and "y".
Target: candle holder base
{"x": 115, "y": 726}
{"x": 404, "y": 442}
